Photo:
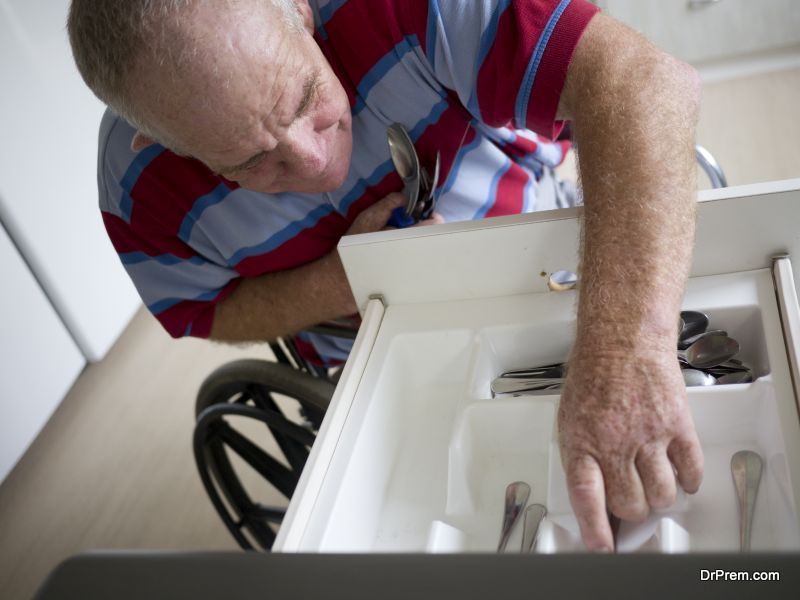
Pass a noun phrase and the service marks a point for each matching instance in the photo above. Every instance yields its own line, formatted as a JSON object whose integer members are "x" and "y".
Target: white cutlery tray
{"x": 425, "y": 454}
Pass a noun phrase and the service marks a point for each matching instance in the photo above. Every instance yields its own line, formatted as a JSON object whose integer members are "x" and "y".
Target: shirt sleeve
{"x": 507, "y": 60}
{"x": 142, "y": 214}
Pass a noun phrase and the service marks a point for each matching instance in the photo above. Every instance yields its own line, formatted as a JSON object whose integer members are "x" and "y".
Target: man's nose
{"x": 305, "y": 152}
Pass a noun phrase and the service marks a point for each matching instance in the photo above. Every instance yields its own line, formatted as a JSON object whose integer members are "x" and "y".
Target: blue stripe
{"x": 434, "y": 16}
{"x": 383, "y": 66}
{"x": 453, "y": 174}
{"x": 521, "y": 108}
{"x": 128, "y": 181}
{"x": 326, "y": 12}
{"x": 167, "y": 260}
{"x": 217, "y": 195}
{"x": 167, "y": 303}
{"x": 526, "y": 197}
{"x": 433, "y": 117}
{"x": 188, "y": 331}
{"x": 493, "y": 190}
{"x": 487, "y": 40}
{"x": 283, "y": 235}
{"x": 362, "y": 184}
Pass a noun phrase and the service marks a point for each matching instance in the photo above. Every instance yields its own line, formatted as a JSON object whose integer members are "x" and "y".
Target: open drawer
{"x": 414, "y": 453}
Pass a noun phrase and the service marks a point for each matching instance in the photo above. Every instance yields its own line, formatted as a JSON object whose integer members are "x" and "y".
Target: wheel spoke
{"x": 295, "y": 452}
{"x": 278, "y": 475}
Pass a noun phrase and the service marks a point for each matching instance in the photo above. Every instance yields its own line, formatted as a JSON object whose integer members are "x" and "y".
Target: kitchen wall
{"x": 66, "y": 297}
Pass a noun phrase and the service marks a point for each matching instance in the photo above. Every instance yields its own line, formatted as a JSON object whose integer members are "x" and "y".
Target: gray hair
{"x": 108, "y": 38}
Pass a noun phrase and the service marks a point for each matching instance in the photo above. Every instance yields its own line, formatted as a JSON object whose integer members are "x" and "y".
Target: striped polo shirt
{"x": 476, "y": 80}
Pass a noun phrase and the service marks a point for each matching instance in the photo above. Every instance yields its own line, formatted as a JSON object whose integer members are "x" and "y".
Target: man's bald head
{"x": 115, "y": 40}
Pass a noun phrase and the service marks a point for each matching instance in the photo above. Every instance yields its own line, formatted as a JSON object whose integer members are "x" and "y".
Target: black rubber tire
{"x": 220, "y": 396}
{"x": 277, "y": 377}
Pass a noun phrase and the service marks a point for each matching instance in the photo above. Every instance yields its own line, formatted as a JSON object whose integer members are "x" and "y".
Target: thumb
{"x": 375, "y": 217}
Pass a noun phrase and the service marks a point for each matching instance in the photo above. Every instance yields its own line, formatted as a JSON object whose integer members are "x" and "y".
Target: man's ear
{"x": 306, "y": 13}
{"x": 141, "y": 141}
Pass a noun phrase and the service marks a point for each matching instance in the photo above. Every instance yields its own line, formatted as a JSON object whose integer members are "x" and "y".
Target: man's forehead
{"x": 239, "y": 68}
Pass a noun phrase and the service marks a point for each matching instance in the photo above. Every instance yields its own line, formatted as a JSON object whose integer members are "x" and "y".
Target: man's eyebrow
{"x": 309, "y": 87}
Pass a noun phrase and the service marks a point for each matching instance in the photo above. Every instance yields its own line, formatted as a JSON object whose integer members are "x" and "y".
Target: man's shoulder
{"x": 118, "y": 166}
{"x": 152, "y": 179}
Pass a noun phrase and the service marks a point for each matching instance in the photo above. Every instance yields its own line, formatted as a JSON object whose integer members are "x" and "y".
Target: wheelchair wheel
{"x": 246, "y": 393}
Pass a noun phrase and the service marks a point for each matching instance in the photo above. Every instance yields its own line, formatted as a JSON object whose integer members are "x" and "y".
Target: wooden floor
{"x": 114, "y": 469}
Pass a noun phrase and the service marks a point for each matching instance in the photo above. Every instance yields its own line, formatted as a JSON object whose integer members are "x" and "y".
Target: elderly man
{"x": 254, "y": 137}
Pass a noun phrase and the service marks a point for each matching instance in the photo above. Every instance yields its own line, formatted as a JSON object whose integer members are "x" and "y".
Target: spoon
{"x": 547, "y": 371}
{"x": 746, "y": 470}
{"x": 709, "y": 351}
{"x": 515, "y": 385}
{"x": 735, "y": 377}
{"x": 694, "y": 322}
{"x": 430, "y": 200}
{"x": 695, "y": 378}
{"x": 686, "y": 342}
{"x": 406, "y": 163}
{"x": 517, "y": 495}
{"x": 534, "y": 515}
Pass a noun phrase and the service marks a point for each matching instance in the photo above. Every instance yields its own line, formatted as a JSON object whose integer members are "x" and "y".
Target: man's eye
{"x": 253, "y": 163}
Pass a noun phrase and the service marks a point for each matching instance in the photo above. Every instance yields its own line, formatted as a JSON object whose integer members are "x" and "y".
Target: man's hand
{"x": 375, "y": 217}
{"x": 624, "y": 424}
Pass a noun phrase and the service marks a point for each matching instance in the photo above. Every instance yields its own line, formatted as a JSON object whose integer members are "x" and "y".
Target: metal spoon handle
{"x": 502, "y": 385}
{"x": 746, "y": 469}
{"x": 517, "y": 495}
{"x": 534, "y": 515}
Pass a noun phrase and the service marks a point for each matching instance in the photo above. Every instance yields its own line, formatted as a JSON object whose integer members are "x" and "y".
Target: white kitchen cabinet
{"x": 698, "y": 31}
{"x": 38, "y": 358}
{"x": 48, "y": 175}
{"x": 414, "y": 453}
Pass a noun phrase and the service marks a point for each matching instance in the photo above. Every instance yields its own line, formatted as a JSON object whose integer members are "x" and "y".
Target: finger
{"x": 687, "y": 456}
{"x": 587, "y": 496}
{"x": 657, "y": 476}
{"x": 375, "y": 217}
{"x": 624, "y": 491}
{"x": 434, "y": 219}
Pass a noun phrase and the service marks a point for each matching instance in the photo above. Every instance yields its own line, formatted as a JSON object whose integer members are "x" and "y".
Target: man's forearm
{"x": 625, "y": 429}
{"x": 634, "y": 128}
{"x": 277, "y": 304}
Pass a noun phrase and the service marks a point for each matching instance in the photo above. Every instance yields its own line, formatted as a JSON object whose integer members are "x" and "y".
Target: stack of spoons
{"x": 706, "y": 356}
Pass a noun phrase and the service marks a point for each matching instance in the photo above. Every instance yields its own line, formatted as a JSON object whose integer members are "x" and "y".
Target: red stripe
{"x": 310, "y": 244}
{"x": 364, "y": 31}
{"x": 520, "y": 147}
{"x": 510, "y": 198}
{"x": 125, "y": 239}
{"x": 503, "y": 70}
{"x": 163, "y": 195}
{"x": 338, "y": 69}
{"x": 201, "y": 314}
{"x": 444, "y": 136}
{"x": 552, "y": 70}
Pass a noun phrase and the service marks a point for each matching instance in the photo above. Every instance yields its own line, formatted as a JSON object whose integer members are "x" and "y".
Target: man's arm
{"x": 281, "y": 303}
{"x": 624, "y": 420}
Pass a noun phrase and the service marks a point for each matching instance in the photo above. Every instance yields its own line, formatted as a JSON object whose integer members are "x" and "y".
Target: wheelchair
{"x": 283, "y": 403}
{"x": 288, "y": 400}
